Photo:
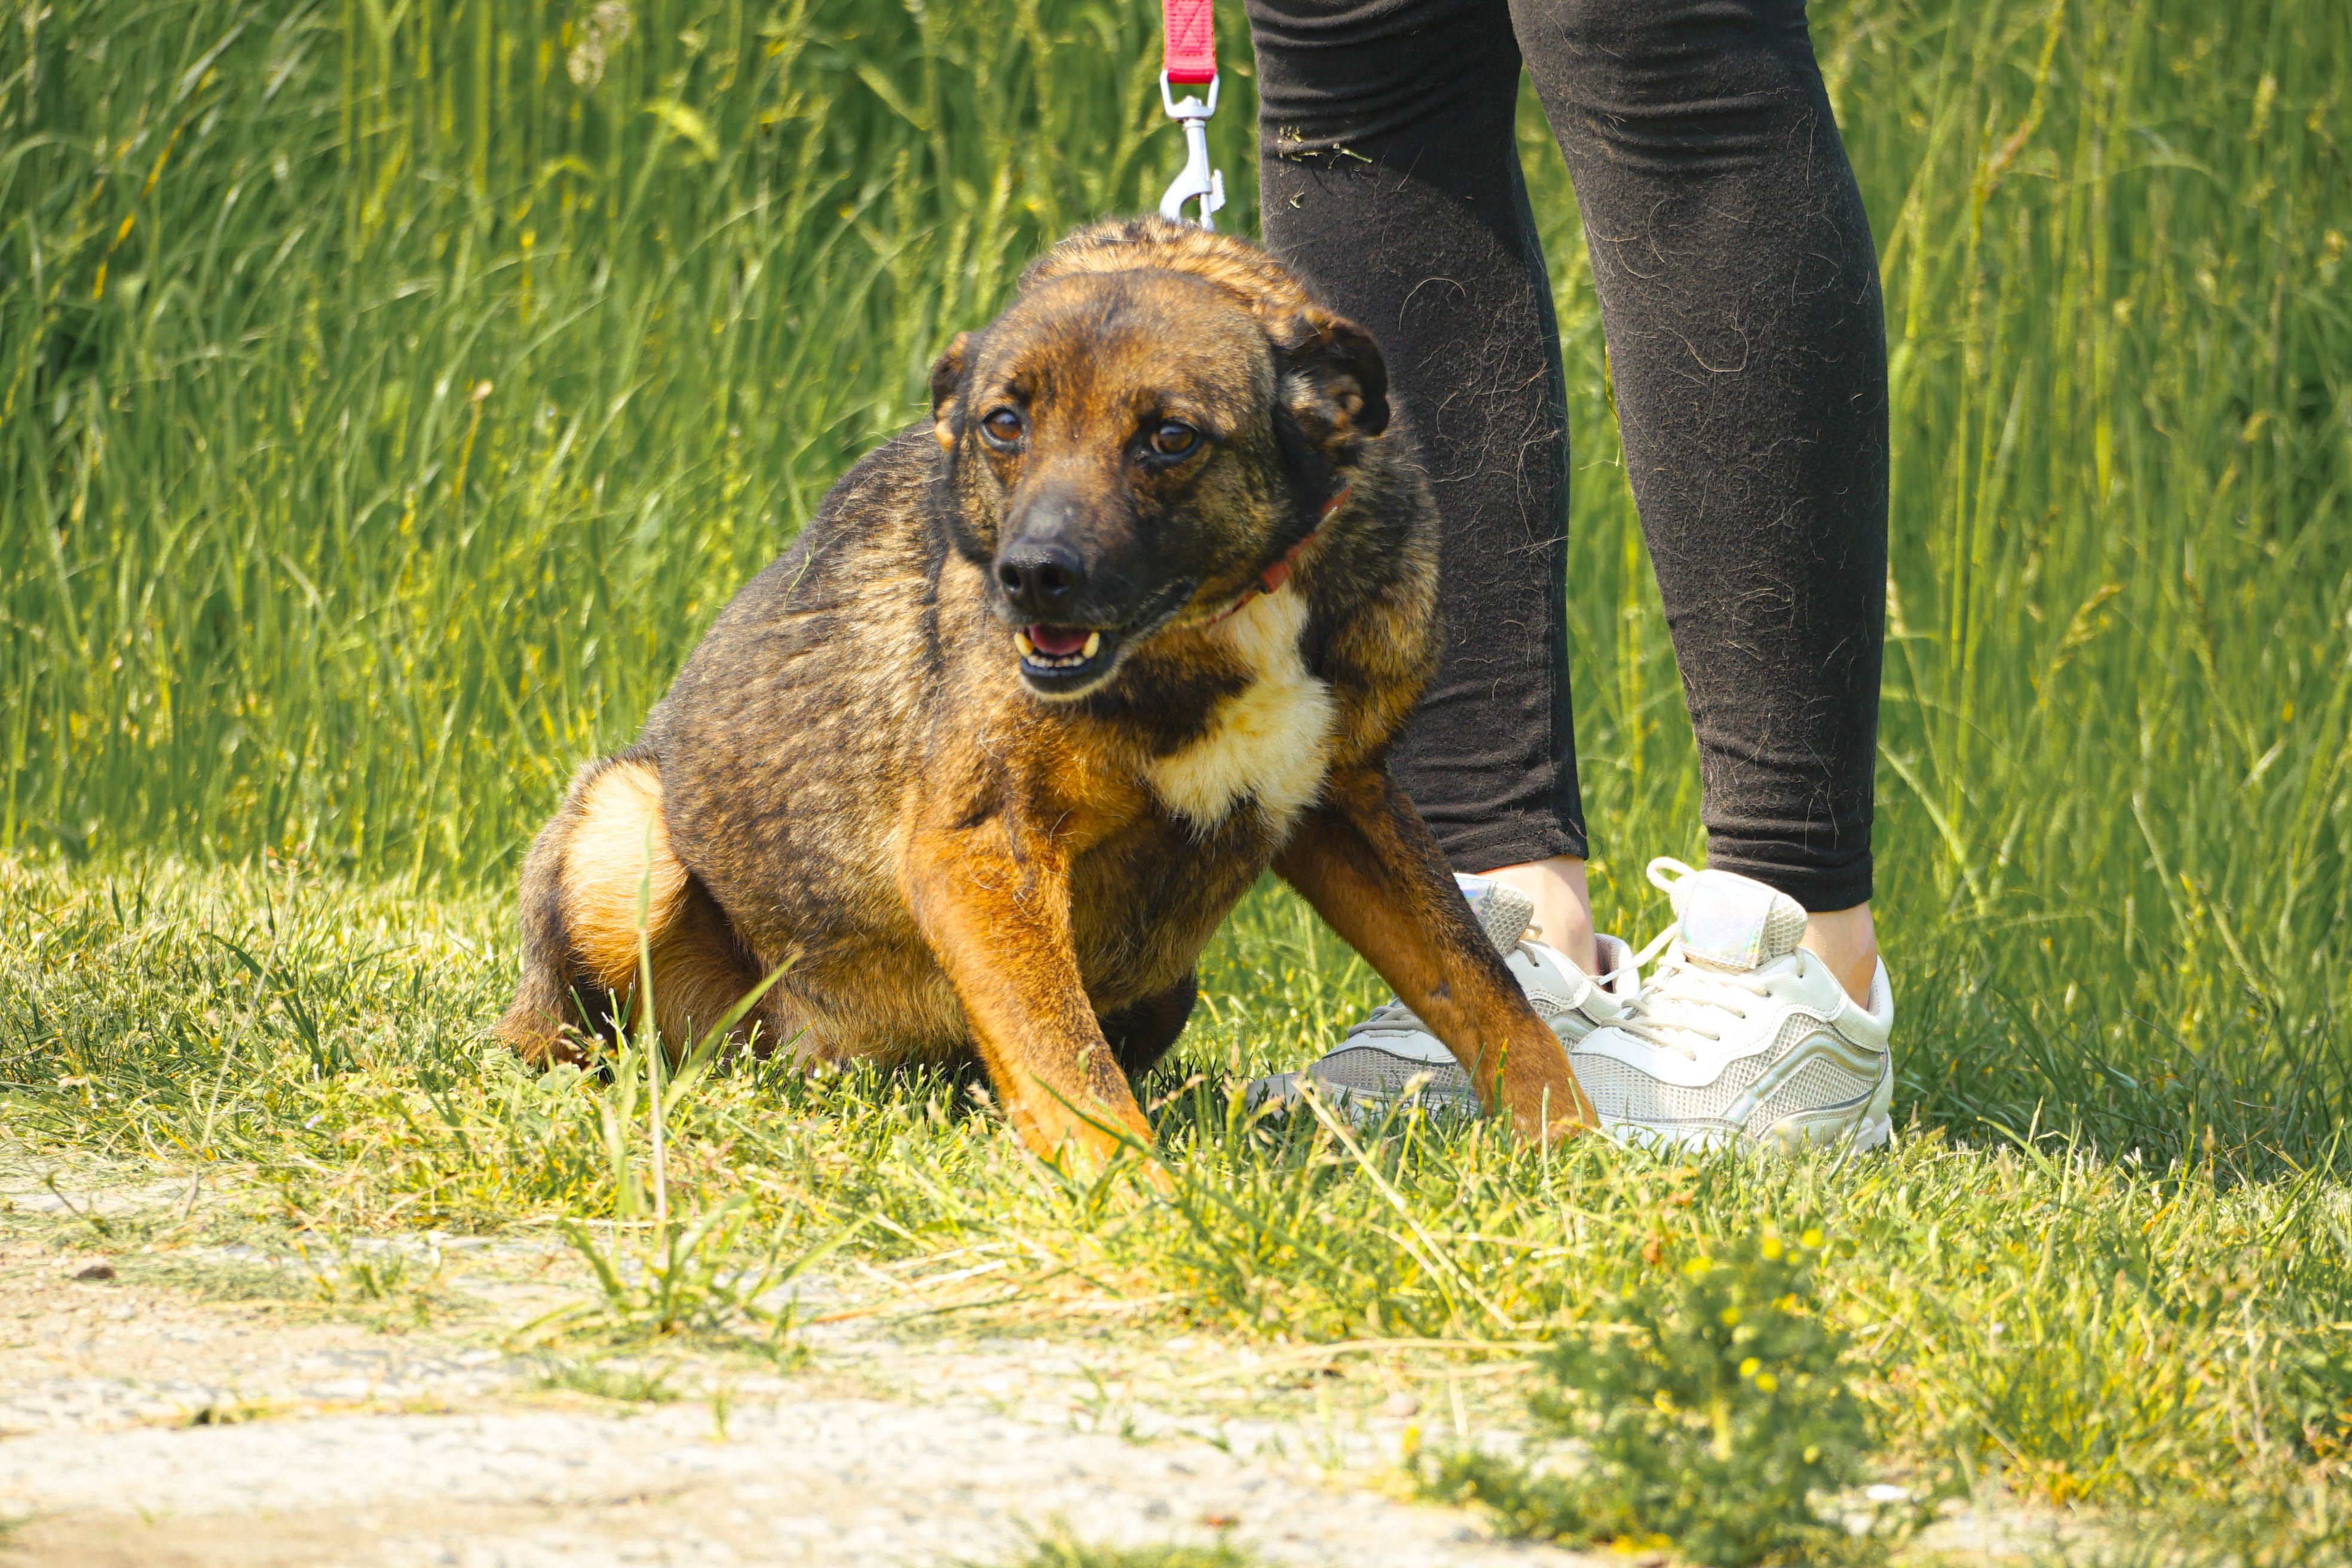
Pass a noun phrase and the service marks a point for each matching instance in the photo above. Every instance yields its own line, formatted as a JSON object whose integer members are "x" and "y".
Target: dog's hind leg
{"x": 701, "y": 973}
{"x": 558, "y": 1005}
{"x": 601, "y": 877}
{"x": 544, "y": 1021}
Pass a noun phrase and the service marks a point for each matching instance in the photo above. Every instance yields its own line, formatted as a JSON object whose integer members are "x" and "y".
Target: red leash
{"x": 1189, "y": 58}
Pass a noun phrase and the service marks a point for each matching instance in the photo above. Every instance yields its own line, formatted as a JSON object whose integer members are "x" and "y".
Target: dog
{"x": 979, "y": 764}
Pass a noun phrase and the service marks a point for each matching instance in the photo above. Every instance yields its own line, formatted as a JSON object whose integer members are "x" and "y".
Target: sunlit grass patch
{"x": 2093, "y": 1329}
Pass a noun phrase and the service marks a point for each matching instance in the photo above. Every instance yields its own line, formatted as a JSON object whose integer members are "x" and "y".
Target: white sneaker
{"x": 1392, "y": 1058}
{"x": 1740, "y": 1036}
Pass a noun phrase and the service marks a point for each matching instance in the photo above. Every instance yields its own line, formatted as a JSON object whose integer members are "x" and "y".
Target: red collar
{"x": 1271, "y": 580}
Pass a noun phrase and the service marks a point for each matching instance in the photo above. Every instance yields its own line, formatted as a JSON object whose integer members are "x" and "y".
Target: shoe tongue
{"x": 1502, "y": 912}
{"x": 1735, "y": 922}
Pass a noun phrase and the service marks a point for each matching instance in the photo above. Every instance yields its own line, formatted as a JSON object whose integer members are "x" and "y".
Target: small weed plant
{"x": 692, "y": 1280}
{"x": 349, "y": 1276}
{"x": 1702, "y": 1406}
{"x": 621, "y": 1382}
{"x": 1059, "y": 1549}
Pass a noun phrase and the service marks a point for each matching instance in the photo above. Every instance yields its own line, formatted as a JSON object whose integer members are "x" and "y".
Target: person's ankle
{"x": 1563, "y": 904}
{"x": 1847, "y": 943}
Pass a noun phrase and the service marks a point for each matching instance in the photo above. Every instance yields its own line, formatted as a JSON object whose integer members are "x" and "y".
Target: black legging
{"x": 1740, "y": 295}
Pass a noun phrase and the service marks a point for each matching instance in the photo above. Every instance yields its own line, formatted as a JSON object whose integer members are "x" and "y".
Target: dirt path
{"x": 790, "y": 1480}
{"x": 198, "y": 1405}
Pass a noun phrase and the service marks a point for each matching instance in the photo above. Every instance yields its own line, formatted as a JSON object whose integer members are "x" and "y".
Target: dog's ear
{"x": 1334, "y": 381}
{"x": 947, "y": 382}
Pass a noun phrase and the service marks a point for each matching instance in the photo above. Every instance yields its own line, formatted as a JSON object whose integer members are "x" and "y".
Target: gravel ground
{"x": 791, "y": 1480}
{"x": 170, "y": 1404}
{"x": 143, "y": 1423}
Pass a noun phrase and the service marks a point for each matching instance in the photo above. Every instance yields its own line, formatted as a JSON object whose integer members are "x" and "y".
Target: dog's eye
{"x": 1171, "y": 439}
{"x": 1002, "y": 424}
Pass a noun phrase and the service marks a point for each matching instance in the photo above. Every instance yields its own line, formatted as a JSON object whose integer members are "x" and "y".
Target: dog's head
{"x": 1160, "y": 415}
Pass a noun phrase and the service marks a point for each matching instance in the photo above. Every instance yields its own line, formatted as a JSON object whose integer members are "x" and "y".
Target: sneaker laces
{"x": 1686, "y": 994}
{"x": 1393, "y": 1017}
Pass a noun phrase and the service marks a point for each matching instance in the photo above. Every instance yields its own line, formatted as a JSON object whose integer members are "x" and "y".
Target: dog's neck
{"x": 1264, "y": 745}
{"x": 1271, "y": 580}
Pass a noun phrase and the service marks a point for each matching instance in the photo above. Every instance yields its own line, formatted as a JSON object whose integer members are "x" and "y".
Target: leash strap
{"x": 1191, "y": 58}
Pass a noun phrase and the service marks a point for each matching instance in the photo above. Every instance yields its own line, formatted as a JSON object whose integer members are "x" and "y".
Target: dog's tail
{"x": 601, "y": 878}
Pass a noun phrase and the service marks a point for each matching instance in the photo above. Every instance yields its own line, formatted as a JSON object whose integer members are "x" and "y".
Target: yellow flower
{"x": 1730, "y": 1316}
{"x": 1766, "y": 1382}
{"x": 1747, "y": 1368}
{"x": 1812, "y": 1237}
{"x": 1771, "y": 1247}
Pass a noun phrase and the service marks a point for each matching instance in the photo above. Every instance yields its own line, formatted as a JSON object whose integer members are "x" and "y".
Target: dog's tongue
{"x": 1058, "y": 642}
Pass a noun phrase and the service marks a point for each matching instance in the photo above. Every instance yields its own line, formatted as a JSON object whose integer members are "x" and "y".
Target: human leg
{"x": 1738, "y": 290}
{"x": 1847, "y": 942}
{"x": 1562, "y": 902}
{"x": 1391, "y": 176}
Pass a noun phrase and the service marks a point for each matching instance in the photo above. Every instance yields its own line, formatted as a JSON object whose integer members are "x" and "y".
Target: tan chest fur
{"x": 1270, "y": 743}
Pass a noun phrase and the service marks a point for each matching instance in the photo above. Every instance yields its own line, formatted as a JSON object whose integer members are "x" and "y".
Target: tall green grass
{"x": 389, "y": 393}
{"x": 390, "y": 396}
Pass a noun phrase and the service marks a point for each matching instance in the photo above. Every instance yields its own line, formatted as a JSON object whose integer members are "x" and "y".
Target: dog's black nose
{"x": 1040, "y": 577}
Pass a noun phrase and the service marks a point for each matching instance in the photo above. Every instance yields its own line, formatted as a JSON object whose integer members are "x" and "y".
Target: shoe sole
{"x": 1277, "y": 1090}
{"x": 1363, "y": 1108}
{"x": 1790, "y": 1135}
{"x": 1861, "y": 1125}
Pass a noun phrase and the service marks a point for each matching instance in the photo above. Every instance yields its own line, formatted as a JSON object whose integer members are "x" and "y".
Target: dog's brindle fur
{"x": 854, "y": 783}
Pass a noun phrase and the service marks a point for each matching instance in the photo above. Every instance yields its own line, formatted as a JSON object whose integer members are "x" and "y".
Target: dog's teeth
{"x": 1022, "y": 646}
{"x": 1094, "y": 646}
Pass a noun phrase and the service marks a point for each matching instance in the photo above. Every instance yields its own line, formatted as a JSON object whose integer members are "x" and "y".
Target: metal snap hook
{"x": 1196, "y": 181}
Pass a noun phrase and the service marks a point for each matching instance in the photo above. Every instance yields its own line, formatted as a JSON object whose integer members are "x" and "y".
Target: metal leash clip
{"x": 1197, "y": 180}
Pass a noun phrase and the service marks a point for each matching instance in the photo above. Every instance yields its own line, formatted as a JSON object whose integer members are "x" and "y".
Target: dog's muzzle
{"x": 1062, "y": 662}
{"x": 1063, "y": 647}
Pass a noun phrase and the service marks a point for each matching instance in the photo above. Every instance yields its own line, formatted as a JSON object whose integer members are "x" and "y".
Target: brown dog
{"x": 982, "y": 762}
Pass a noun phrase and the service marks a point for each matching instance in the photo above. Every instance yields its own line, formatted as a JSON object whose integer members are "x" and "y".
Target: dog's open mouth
{"x": 1061, "y": 658}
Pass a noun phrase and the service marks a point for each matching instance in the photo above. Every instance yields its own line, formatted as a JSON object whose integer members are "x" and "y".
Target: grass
{"x": 382, "y": 413}
{"x": 389, "y": 396}
{"x": 2151, "y": 1339}
{"x": 1061, "y": 1549}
